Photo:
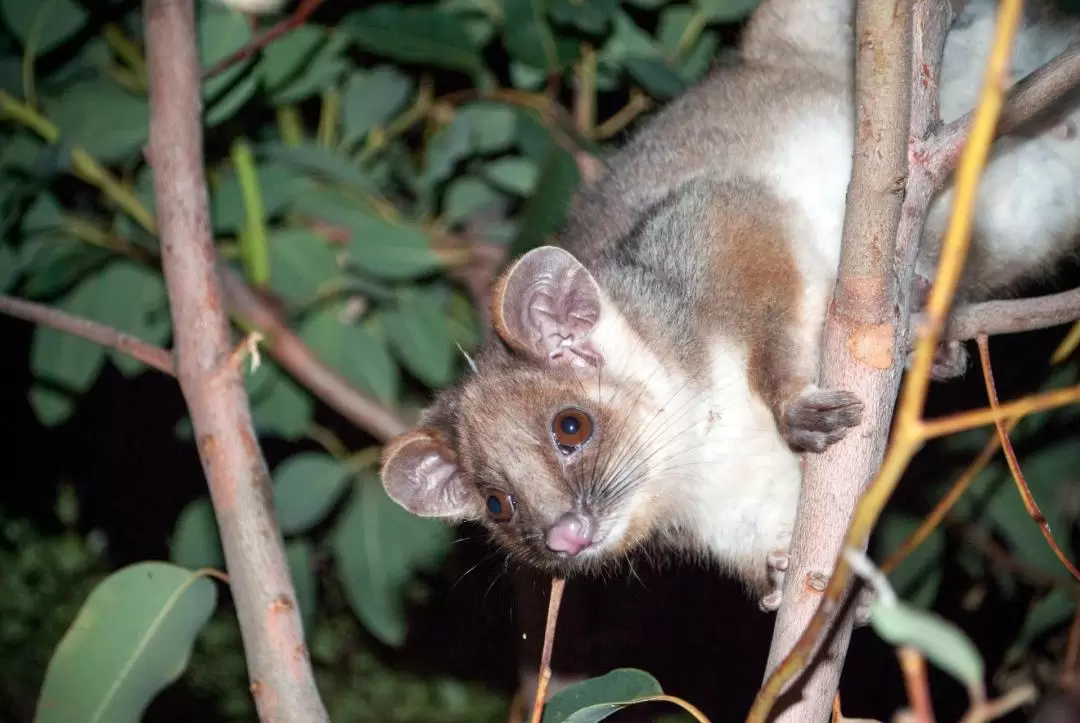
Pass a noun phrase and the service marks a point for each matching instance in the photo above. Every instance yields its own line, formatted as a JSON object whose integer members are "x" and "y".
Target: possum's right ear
{"x": 546, "y": 305}
{"x": 420, "y": 472}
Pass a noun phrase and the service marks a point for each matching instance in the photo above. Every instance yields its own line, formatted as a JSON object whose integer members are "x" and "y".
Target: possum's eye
{"x": 571, "y": 428}
{"x": 499, "y": 505}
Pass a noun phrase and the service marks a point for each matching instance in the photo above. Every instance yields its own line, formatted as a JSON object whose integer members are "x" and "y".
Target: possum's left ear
{"x": 546, "y": 305}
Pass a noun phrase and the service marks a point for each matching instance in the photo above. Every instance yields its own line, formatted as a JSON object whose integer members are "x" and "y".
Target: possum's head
{"x": 556, "y": 438}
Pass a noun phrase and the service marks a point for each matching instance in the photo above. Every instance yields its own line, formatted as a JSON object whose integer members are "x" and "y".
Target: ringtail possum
{"x": 652, "y": 377}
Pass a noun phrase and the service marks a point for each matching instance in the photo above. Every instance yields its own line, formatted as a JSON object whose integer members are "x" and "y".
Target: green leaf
{"x": 278, "y": 183}
{"x": 415, "y": 34}
{"x": 107, "y": 121}
{"x": 300, "y": 556}
{"x": 386, "y": 249}
{"x": 131, "y": 299}
{"x": 466, "y": 195}
{"x": 528, "y": 37}
{"x": 131, "y": 639}
{"x": 301, "y": 261}
{"x": 9, "y": 266}
{"x": 516, "y": 174}
{"x": 597, "y": 698}
{"x": 318, "y": 161}
{"x": 546, "y": 210}
{"x": 419, "y": 334}
{"x": 378, "y": 547}
{"x": 45, "y": 23}
{"x": 356, "y": 353}
{"x": 315, "y": 62}
{"x": 592, "y": 16}
{"x": 941, "y": 642}
{"x": 306, "y": 487}
{"x": 63, "y": 358}
{"x": 1052, "y": 611}
{"x": 373, "y": 99}
{"x": 52, "y": 407}
{"x": 918, "y": 577}
{"x": 221, "y": 33}
{"x": 196, "y": 542}
{"x": 725, "y": 11}
{"x": 278, "y": 404}
{"x": 656, "y": 77}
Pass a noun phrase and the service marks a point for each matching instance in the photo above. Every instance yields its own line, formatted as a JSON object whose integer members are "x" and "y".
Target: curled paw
{"x": 817, "y": 418}
{"x": 863, "y": 600}
{"x": 777, "y": 563}
{"x": 951, "y": 360}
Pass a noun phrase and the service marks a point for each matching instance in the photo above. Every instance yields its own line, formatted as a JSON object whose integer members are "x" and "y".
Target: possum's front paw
{"x": 951, "y": 360}
{"x": 777, "y": 563}
{"x": 864, "y": 599}
{"x": 816, "y": 418}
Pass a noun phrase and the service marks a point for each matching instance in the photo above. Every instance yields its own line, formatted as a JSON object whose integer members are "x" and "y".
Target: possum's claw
{"x": 777, "y": 562}
{"x": 817, "y": 418}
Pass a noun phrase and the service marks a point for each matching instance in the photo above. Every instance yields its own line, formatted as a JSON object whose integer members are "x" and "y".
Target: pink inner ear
{"x": 551, "y": 305}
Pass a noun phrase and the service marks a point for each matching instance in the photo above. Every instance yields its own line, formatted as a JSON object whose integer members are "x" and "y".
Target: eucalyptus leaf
{"x": 301, "y": 262}
{"x": 467, "y": 195}
{"x": 317, "y": 161}
{"x": 379, "y": 547}
{"x": 592, "y": 16}
{"x": 9, "y": 266}
{"x": 529, "y": 39}
{"x": 941, "y": 642}
{"x": 373, "y": 99}
{"x": 419, "y": 334}
{"x": 306, "y": 487}
{"x": 516, "y": 174}
{"x": 725, "y": 11}
{"x": 131, "y": 639}
{"x": 221, "y": 33}
{"x": 918, "y": 577}
{"x": 300, "y": 555}
{"x": 196, "y": 542}
{"x": 107, "y": 121}
{"x": 279, "y": 405}
{"x": 44, "y": 24}
{"x": 595, "y": 699}
{"x": 415, "y": 33}
{"x": 357, "y": 353}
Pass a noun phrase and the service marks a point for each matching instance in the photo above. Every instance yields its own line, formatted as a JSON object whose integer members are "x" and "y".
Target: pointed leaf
{"x": 131, "y": 639}
{"x": 306, "y": 487}
{"x": 941, "y": 642}
{"x": 46, "y": 23}
{"x": 353, "y": 351}
{"x": 597, "y": 698}
{"x": 196, "y": 542}
{"x": 379, "y": 547}
{"x": 415, "y": 34}
{"x": 418, "y": 331}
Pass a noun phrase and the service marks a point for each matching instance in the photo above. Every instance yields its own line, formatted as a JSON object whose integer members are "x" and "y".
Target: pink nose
{"x": 570, "y": 535}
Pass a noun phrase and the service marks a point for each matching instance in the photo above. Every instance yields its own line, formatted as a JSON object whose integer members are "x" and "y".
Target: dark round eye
{"x": 571, "y": 428}
{"x": 499, "y": 505}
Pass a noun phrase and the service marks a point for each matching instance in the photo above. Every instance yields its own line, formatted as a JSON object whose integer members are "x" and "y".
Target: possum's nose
{"x": 570, "y": 535}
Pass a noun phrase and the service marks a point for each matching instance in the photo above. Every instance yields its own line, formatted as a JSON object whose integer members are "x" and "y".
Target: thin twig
{"x": 953, "y": 423}
{"x": 298, "y": 18}
{"x": 1030, "y": 504}
{"x": 148, "y": 354}
{"x": 638, "y": 104}
{"x": 1067, "y": 675}
{"x": 913, "y": 666}
{"x": 994, "y": 709}
{"x": 1009, "y": 316}
{"x": 557, "y": 586}
{"x": 279, "y": 666}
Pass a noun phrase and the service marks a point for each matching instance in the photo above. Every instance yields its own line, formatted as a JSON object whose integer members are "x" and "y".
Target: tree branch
{"x": 295, "y": 356}
{"x": 147, "y": 353}
{"x": 859, "y": 348}
{"x": 1008, "y": 316}
{"x": 1028, "y": 99}
{"x": 282, "y": 682}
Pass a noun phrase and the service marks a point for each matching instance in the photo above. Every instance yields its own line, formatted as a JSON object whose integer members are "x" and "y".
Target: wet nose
{"x": 570, "y": 535}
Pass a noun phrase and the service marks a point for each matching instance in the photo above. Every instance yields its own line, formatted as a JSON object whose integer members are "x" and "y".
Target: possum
{"x": 652, "y": 377}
